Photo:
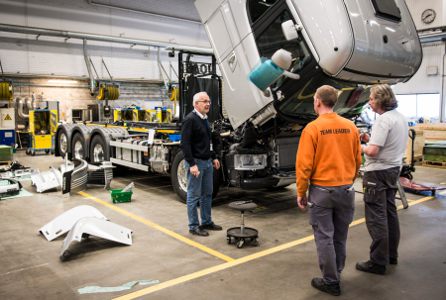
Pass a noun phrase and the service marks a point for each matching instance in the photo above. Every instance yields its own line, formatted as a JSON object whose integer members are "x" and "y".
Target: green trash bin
{"x": 118, "y": 196}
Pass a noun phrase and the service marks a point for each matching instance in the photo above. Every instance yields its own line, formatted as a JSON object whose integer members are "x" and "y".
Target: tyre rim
{"x": 78, "y": 150}
{"x": 63, "y": 144}
{"x": 182, "y": 176}
{"x": 98, "y": 153}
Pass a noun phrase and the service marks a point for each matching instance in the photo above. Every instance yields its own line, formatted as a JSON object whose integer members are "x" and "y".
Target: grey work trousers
{"x": 381, "y": 215}
{"x": 331, "y": 213}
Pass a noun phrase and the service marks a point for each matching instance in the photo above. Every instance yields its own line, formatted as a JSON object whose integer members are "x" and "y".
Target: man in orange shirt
{"x": 327, "y": 162}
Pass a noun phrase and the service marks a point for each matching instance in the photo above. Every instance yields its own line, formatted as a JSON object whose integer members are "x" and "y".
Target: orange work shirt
{"x": 329, "y": 153}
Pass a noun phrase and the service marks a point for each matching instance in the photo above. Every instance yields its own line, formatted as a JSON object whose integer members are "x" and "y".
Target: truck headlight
{"x": 249, "y": 161}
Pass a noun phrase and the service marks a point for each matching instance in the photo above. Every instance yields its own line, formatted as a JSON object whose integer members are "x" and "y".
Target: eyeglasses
{"x": 205, "y": 101}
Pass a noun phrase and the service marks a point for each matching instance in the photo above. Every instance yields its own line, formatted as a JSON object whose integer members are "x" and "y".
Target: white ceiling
{"x": 181, "y": 9}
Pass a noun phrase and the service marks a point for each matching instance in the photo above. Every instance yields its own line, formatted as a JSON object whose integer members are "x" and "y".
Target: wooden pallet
{"x": 438, "y": 164}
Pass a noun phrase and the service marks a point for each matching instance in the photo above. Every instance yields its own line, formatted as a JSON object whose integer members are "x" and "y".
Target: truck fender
{"x": 96, "y": 227}
{"x": 65, "y": 221}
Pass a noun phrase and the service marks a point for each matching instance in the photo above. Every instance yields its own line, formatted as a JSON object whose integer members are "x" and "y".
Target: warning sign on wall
{"x": 8, "y": 117}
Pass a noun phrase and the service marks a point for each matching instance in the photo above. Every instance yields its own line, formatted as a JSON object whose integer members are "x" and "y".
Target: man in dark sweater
{"x": 196, "y": 144}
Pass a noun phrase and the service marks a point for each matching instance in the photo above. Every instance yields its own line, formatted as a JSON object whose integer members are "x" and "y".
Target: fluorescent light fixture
{"x": 62, "y": 81}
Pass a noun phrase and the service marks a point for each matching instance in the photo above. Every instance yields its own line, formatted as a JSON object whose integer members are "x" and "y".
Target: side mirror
{"x": 290, "y": 30}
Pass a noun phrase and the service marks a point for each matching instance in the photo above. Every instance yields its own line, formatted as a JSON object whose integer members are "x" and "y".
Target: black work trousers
{"x": 330, "y": 215}
{"x": 381, "y": 215}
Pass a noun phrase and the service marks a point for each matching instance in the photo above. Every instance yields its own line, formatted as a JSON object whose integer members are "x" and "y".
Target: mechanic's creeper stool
{"x": 242, "y": 235}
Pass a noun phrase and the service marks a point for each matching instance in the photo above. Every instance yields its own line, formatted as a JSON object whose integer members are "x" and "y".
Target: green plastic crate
{"x": 118, "y": 196}
{"x": 435, "y": 152}
{"x": 5, "y": 153}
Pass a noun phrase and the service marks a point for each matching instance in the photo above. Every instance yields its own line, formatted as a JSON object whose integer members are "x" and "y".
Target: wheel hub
{"x": 63, "y": 144}
{"x": 98, "y": 153}
{"x": 78, "y": 150}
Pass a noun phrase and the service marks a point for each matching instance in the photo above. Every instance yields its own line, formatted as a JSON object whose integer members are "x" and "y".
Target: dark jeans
{"x": 330, "y": 216}
{"x": 381, "y": 216}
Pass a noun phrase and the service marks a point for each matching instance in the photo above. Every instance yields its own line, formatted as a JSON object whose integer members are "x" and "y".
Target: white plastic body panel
{"x": 327, "y": 25}
{"x": 64, "y": 222}
{"x": 48, "y": 180}
{"x": 397, "y": 59}
{"x": 236, "y": 52}
{"x": 96, "y": 227}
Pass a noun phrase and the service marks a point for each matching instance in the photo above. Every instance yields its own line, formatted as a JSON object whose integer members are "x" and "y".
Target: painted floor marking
{"x": 159, "y": 228}
{"x": 238, "y": 261}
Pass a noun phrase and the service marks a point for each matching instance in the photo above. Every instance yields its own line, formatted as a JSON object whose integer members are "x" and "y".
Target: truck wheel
{"x": 99, "y": 150}
{"x": 62, "y": 143}
{"x": 178, "y": 176}
{"x": 78, "y": 146}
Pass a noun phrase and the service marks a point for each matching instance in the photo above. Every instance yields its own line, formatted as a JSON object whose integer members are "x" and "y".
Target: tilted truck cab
{"x": 348, "y": 44}
{"x": 341, "y": 42}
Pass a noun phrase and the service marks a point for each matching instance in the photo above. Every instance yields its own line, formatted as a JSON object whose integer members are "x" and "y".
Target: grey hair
{"x": 198, "y": 96}
{"x": 384, "y": 96}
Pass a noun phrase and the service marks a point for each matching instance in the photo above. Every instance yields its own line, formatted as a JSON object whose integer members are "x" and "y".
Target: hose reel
{"x": 108, "y": 92}
{"x": 173, "y": 93}
{"x": 6, "y": 90}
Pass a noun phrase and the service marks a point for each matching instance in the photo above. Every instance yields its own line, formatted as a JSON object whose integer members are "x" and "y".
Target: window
{"x": 271, "y": 38}
{"x": 415, "y": 107}
{"x": 257, "y": 8}
{"x": 387, "y": 9}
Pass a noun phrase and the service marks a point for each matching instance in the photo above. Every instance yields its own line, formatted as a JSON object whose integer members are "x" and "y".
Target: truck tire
{"x": 178, "y": 177}
{"x": 78, "y": 146}
{"x": 62, "y": 143}
{"x": 99, "y": 150}
{"x": 63, "y": 138}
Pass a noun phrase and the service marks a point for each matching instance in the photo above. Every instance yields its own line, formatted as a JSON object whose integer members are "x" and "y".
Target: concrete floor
{"x": 281, "y": 267}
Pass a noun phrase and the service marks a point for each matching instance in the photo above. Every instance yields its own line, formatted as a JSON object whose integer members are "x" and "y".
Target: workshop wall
{"x": 53, "y": 55}
{"x": 34, "y": 62}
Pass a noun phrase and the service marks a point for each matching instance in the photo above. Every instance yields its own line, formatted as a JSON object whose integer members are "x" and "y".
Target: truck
{"x": 348, "y": 44}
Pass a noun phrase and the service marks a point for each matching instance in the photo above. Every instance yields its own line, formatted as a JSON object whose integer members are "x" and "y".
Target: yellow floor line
{"x": 159, "y": 228}
{"x": 236, "y": 262}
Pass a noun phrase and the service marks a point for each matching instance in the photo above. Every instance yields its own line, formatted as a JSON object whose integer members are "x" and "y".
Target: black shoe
{"x": 393, "y": 261}
{"x": 199, "y": 231}
{"x": 332, "y": 289}
{"x": 212, "y": 226}
{"x": 371, "y": 267}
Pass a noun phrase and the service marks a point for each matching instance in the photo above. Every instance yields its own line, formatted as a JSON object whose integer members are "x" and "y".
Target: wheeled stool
{"x": 242, "y": 235}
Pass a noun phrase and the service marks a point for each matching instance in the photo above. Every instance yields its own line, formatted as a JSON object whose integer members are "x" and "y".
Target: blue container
{"x": 265, "y": 74}
{"x": 7, "y": 137}
{"x": 175, "y": 137}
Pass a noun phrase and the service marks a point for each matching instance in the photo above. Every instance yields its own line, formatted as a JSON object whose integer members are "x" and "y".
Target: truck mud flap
{"x": 65, "y": 221}
{"x": 96, "y": 227}
{"x": 101, "y": 175}
{"x": 79, "y": 176}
